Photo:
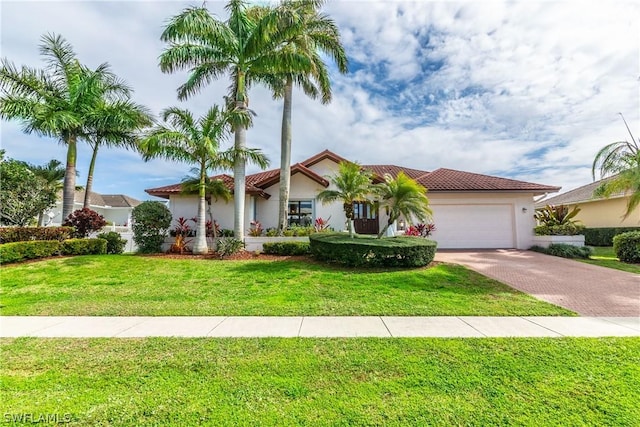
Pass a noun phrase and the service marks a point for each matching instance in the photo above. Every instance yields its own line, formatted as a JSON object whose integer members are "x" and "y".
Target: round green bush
{"x": 365, "y": 251}
{"x": 115, "y": 242}
{"x": 627, "y": 246}
{"x": 150, "y": 223}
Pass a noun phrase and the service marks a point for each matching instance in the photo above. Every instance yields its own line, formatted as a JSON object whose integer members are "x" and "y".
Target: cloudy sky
{"x": 527, "y": 90}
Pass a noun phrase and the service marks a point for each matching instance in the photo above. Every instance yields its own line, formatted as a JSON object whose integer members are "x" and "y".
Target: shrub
{"x": 225, "y": 232}
{"x": 286, "y": 248}
{"x": 371, "y": 252}
{"x": 180, "y": 245}
{"x": 420, "y": 230}
{"x": 256, "y": 229}
{"x": 556, "y": 215}
{"x": 84, "y": 247}
{"x": 228, "y": 246}
{"x": 84, "y": 221}
{"x": 25, "y": 234}
{"x": 298, "y": 231}
{"x": 321, "y": 225}
{"x": 604, "y": 236}
{"x": 115, "y": 242}
{"x": 150, "y": 222}
{"x": 565, "y": 251}
{"x": 20, "y": 251}
{"x": 569, "y": 229}
{"x": 627, "y": 246}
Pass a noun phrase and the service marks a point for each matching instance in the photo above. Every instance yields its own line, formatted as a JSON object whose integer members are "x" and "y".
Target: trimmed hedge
{"x": 364, "y": 251}
{"x": 21, "y": 251}
{"x": 27, "y": 234}
{"x": 115, "y": 242}
{"x": 603, "y": 236}
{"x": 286, "y": 248}
{"x": 565, "y": 251}
{"x": 569, "y": 229}
{"x": 84, "y": 247}
{"x": 627, "y": 246}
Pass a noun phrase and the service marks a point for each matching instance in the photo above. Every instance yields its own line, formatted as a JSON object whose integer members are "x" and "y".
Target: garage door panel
{"x": 473, "y": 226}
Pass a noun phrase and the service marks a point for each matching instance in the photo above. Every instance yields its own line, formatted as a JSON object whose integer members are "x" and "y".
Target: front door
{"x": 365, "y": 218}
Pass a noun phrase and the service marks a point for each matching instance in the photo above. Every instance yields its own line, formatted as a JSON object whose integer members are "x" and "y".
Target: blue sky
{"x": 526, "y": 90}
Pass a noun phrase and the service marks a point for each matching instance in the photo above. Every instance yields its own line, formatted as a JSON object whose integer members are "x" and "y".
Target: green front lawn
{"x": 336, "y": 382}
{"x": 605, "y": 257}
{"x": 158, "y": 286}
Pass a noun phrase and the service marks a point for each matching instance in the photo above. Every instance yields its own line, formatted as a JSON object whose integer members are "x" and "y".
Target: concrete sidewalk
{"x": 368, "y": 326}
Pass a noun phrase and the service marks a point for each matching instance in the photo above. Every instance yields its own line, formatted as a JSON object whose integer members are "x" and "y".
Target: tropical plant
{"x": 256, "y": 229}
{"x": 420, "y": 230}
{"x": 84, "y": 221}
{"x": 321, "y": 224}
{"x": 113, "y": 123}
{"x": 192, "y": 141}
{"x": 352, "y": 184}
{"x": 150, "y": 223}
{"x": 53, "y": 174}
{"x": 59, "y": 101}
{"x": 242, "y": 46}
{"x": 621, "y": 161}
{"x": 312, "y": 35}
{"x": 215, "y": 189}
{"x": 551, "y": 215}
{"x": 23, "y": 194}
{"x": 229, "y": 246}
{"x": 402, "y": 196}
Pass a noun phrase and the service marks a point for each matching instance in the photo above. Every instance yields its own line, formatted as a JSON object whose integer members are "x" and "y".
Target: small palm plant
{"x": 402, "y": 196}
{"x": 352, "y": 184}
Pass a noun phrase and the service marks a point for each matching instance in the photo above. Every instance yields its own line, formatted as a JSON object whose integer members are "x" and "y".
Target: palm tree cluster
{"x": 278, "y": 46}
{"x": 400, "y": 196}
{"x": 620, "y": 161}
{"x": 71, "y": 102}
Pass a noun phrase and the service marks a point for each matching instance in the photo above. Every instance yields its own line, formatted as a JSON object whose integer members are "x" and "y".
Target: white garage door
{"x": 473, "y": 226}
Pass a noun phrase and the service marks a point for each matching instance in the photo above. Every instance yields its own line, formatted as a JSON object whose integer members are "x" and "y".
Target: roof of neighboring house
{"x": 580, "y": 194}
{"x": 438, "y": 180}
{"x": 111, "y": 200}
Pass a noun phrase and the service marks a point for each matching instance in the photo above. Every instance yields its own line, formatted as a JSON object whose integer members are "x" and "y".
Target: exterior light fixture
{"x": 401, "y": 224}
{"x": 524, "y": 210}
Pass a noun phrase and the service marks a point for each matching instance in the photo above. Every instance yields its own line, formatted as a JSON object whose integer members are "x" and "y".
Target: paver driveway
{"x": 589, "y": 290}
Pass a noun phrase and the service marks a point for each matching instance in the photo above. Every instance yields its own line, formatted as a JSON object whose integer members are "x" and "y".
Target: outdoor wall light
{"x": 524, "y": 210}
{"x": 401, "y": 225}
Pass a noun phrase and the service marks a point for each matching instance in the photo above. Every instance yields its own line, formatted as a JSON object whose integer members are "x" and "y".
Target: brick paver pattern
{"x": 589, "y": 290}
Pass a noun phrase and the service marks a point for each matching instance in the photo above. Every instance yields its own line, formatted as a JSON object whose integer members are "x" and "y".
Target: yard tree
{"x": 312, "y": 34}
{"x": 402, "y": 196}
{"x": 621, "y": 161}
{"x": 352, "y": 184}
{"x": 214, "y": 189}
{"x": 183, "y": 138}
{"x": 24, "y": 195}
{"x": 238, "y": 47}
{"x": 53, "y": 174}
{"x": 57, "y": 101}
{"x": 113, "y": 123}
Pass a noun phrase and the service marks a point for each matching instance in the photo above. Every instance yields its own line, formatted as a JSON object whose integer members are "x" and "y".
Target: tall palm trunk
{"x": 240, "y": 144}
{"x": 200, "y": 244}
{"x": 89, "y": 186}
{"x": 68, "y": 191}
{"x": 285, "y": 157}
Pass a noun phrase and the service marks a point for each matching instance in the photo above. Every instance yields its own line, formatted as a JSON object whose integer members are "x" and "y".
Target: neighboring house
{"x": 469, "y": 210}
{"x": 116, "y": 208}
{"x": 596, "y": 211}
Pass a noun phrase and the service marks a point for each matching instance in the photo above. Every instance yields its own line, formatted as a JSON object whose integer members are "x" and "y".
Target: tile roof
{"x": 580, "y": 194}
{"x": 438, "y": 180}
{"x": 113, "y": 200}
{"x": 453, "y": 180}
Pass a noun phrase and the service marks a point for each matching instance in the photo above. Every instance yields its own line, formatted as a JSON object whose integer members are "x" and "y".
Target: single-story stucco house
{"x": 469, "y": 210}
{"x": 596, "y": 212}
{"x": 115, "y": 208}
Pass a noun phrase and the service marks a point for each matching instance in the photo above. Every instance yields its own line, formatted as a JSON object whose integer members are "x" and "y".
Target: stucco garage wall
{"x": 187, "y": 207}
{"x": 607, "y": 213}
{"x": 476, "y": 215}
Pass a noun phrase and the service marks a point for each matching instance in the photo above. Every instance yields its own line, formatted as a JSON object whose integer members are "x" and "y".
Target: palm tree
{"x": 114, "y": 124}
{"x": 239, "y": 47}
{"x": 191, "y": 141}
{"x": 52, "y": 173}
{"x": 352, "y": 184}
{"x": 215, "y": 189}
{"x": 402, "y": 196}
{"x": 57, "y": 101}
{"x": 621, "y": 161}
{"x": 313, "y": 34}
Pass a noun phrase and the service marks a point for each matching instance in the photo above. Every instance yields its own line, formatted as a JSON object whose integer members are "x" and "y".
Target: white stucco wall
{"x": 187, "y": 207}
